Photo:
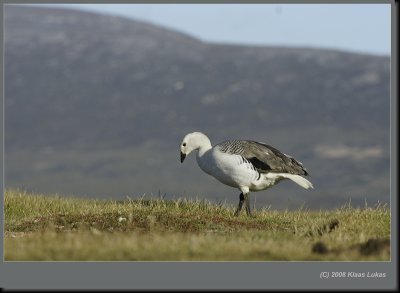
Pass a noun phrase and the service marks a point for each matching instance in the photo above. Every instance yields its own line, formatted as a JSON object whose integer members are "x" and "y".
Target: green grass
{"x": 51, "y": 228}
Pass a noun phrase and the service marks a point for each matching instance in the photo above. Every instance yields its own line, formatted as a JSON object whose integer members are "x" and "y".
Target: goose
{"x": 244, "y": 164}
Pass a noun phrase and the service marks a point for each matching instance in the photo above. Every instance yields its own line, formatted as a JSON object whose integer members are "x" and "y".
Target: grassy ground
{"x": 51, "y": 228}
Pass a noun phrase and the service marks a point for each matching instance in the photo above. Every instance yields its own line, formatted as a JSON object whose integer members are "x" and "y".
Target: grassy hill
{"x": 39, "y": 227}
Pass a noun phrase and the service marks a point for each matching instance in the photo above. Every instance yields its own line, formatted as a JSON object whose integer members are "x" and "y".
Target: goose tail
{"x": 303, "y": 182}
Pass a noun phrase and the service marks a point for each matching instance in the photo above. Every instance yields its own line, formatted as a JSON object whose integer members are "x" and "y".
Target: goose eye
{"x": 184, "y": 144}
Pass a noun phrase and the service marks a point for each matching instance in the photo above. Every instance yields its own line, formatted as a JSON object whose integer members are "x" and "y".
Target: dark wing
{"x": 268, "y": 159}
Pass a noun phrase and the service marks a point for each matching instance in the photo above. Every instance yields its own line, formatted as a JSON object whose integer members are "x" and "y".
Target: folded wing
{"x": 268, "y": 159}
{"x": 264, "y": 158}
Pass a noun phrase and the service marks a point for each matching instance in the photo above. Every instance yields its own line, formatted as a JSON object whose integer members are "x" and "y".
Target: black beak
{"x": 183, "y": 156}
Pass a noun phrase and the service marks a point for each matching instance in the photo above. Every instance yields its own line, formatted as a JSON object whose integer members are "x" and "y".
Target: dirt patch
{"x": 329, "y": 227}
{"x": 16, "y": 234}
{"x": 374, "y": 246}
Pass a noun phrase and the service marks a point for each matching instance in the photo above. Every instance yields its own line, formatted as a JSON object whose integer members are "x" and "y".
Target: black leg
{"x": 247, "y": 199}
{"x": 241, "y": 200}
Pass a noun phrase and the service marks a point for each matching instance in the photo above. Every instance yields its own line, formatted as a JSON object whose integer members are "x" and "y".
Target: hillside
{"x": 96, "y": 105}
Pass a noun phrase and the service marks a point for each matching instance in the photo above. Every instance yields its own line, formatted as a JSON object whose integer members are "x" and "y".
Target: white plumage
{"x": 243, "y": 164}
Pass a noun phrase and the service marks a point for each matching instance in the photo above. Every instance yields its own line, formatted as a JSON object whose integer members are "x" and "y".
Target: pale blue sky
{"x": 364, "y": 28}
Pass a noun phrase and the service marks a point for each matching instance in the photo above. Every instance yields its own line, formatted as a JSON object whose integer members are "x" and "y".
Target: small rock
{"x": 319, "y": 248}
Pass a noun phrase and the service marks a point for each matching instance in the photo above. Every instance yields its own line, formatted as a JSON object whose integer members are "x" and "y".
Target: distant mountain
{"x": 79, "y": 84}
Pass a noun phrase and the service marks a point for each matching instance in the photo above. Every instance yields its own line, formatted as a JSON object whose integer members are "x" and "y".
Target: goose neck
{"x": 204, "y": 147}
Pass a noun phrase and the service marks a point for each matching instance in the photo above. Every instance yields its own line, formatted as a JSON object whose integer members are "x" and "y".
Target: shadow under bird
{"x": 244, "y": 164}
